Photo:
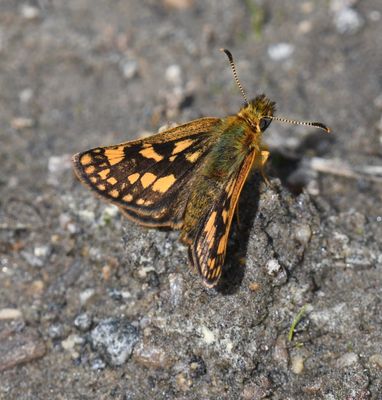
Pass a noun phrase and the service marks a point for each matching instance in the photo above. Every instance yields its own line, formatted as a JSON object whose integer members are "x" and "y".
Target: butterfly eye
{"x": 264, "y": 123}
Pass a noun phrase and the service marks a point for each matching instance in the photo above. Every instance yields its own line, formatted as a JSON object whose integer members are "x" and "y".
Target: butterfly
{"x": 189, "y": 177}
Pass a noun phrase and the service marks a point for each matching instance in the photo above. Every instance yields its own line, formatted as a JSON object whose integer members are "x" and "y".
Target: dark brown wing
{"x": 146, "y": 177}
{"x": 208, "y": 248}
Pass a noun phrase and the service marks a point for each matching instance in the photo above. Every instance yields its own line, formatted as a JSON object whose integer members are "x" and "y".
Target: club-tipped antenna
{"x": 318, "y": 125}
{"x": 232, "y": 64}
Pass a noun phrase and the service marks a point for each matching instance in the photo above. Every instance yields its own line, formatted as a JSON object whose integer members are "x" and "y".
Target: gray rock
{"x": 114, "y": 340}
{"x": 83, "y": 322}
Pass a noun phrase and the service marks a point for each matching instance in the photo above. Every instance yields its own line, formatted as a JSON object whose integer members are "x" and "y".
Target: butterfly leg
{"x": 260, "y": 162}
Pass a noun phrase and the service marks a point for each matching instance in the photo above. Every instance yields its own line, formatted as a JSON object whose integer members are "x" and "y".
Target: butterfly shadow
{"x": 287, "y": 164}
{"x": 235, "y": 266}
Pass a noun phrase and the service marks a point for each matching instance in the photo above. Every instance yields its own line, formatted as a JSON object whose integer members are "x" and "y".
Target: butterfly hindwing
{"x": 144, "y": 177}
{"x": 208, "y": 248}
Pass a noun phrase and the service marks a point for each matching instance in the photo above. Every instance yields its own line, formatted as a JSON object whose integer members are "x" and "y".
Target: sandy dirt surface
{"x": 93, "y": 306}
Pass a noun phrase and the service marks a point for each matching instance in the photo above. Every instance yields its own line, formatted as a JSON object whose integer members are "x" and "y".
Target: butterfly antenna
{"x": 232, "y": 64}
{"x": 291, "y": 121}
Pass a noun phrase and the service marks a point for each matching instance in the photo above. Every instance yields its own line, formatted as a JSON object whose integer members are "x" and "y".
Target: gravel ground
{"x": 93, "y": 306}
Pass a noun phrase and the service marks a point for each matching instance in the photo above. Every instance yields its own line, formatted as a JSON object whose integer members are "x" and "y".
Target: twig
{"x": 342, "y": 168}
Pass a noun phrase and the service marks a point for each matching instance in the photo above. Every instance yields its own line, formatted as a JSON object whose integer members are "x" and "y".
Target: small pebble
{"x": 280, "y": 51}
{"x": 86, "y": 215}
{"x": 348, "y": 21}
{"x": 29, "y": 12}
{"x": 176, "y": 288}
{"x": 37, "y": 287}
{"x": 151, "y": 356}
{"x": 22, "y": 123}
{"x": 297, "y": 364}
{"x": 272, "y": 267}
{"x": 26, "y": 95}
{"x": 375, "y": 15}
{"x": 376, "y": 359}
{"x": 347, "y": 360}
{"x": 178, "y": 4}
{"x": 66, "y": 222}
{"x": 183, "y": 382}
{"x": 10, "y": 313}
{"x": 57, "y": 167}
{"x": 86, "y": 295}
{"x": 254, "y": 286}
{"x": 280, "y": 352}
{"x": 313, "y": 188}
{"x": 109, "y": 213}
{"x": 129, "y": 68}
{"x": 83, "y": 322}
{"x": 59, "y": 164}
{"x": 208, "y": 335}
{"x": 119, "y": 295}
{"x": 173, "y": 74}
{"x": 307, "y": 7}
{"x": 303, "y": 233}
{"x": 42, "y": 251}
{"x": 106, "y": 272}
{"x": 69, "y": 343}
{"x": 56, "y": 331}
{"x": 305, "y": 26}
{"x": 98, "y": 364}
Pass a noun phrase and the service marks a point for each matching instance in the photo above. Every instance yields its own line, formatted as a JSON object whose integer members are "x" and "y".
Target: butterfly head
{"x": 258, "y": 113}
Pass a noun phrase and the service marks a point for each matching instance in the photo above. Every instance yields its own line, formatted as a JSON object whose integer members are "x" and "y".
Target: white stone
{"x": 280, "y": 51}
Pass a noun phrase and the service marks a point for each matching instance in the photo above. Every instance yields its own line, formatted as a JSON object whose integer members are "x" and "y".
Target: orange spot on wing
{"x": 85, "y": 159}
{"x": 104, "y": 173}
{"x": 93, "y": 179}
{"x": 182, "y": 145}
{"x": 211, "y": 234}
{"x": 216, "y": 272}
{"x": 225, "y": 215}
{"x": 114, "y": 193}
{"x": 149, "y": 152}
{"x": 101, "y": 187}
{"x": 192, "y": 157}
{"x": 140, "y": 202}
{"x": 222, "y": 244}
{"x": 163, "y": 184}
{"x": 133, "y": 177}
{"x": 112, "y": 181}
{"x": 172, "y": 158}
{"x": 210, "y": 223}
{"x": 115, "y": 154}
{"x": 89, "y": 170}
{"x": 147, "y": 179}
{"x": 127, "y": 198}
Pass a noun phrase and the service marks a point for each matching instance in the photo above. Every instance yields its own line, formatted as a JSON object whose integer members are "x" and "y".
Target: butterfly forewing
{"x": 208, "y": 249}
{"x": 144, "y": 177}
